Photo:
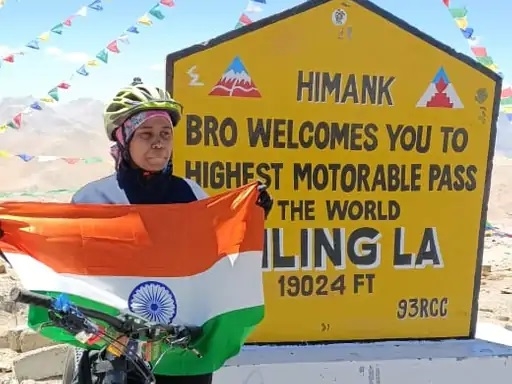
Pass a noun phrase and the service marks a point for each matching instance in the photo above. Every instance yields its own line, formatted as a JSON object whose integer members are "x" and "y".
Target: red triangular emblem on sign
{"x": 440, "y": 93}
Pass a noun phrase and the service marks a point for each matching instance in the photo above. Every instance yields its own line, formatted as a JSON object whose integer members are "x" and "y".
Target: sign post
{"x": 376, "y": 142}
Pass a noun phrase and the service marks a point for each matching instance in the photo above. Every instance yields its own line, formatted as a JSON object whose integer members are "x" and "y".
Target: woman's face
{"x": 151, "y": 144}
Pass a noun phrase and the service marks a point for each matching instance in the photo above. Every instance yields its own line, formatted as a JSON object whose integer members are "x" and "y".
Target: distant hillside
{"x": 73, "y": 129}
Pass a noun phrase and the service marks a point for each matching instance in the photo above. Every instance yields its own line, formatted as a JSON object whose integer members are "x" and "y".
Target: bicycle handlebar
{"x": 75, "y": 319}
{"x": 127, "y": 326}
{"x": 26, "y": 297}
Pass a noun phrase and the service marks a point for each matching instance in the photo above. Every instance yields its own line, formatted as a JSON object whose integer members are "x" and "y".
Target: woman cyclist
{"x": 140, "y": 120}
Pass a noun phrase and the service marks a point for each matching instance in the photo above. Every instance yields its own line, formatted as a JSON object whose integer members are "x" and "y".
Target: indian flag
{"x": 192, "y": 264}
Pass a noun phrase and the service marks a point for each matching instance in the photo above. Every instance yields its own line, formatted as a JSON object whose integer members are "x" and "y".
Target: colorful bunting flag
{"x": 26, "y": 157}
{"x": 35, "y": 193}
{"x": 253, "y": 7}
{"x": 36, "y": 106}
{"x": 2, "y": 3}
{"x": 57, "y": 29}
{"x": 462, "y": 22}
{"x": 54, "y": 93}
{"x": 96, "y": 5}
{"x": 480, "y": 53}
{"x": 17, "y": 120}
{"x": 458, "y": 12}
{"x": 145, "y": 20}
{"x": 124, "y": 39}
{"x": 154, "y": 13}
{"x": 34, "y": 44}
{"x": 460, "y": 17}
{"x": 82, "y": 71}
{"x": 112, "y": 47}
{"x": 103, "y": 56}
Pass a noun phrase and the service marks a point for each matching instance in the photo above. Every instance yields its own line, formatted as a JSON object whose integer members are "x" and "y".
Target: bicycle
{"x": 129, "y": 339}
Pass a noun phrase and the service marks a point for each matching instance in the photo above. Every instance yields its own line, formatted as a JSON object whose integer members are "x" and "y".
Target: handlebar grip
{"x": 26, "y": 297}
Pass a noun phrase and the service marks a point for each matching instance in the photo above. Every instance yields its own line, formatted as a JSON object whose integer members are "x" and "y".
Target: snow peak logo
{"x": 236, "y": 82}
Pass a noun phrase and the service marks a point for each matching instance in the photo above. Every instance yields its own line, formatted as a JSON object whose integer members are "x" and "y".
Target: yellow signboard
{"x": 375, "y": 141}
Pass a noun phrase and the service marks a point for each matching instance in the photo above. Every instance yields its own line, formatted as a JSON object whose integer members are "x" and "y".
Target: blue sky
{"x": 189, "y": 22}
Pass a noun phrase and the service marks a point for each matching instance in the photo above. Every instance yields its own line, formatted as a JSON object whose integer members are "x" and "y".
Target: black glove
{"x": 264, "y": 201}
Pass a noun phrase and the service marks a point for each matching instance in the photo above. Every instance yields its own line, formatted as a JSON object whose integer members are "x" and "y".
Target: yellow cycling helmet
{"x": 135, "y": 98}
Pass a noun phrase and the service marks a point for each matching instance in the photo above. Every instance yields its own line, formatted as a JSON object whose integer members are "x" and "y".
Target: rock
{"x": 486, "y": 269}
{"x": 30, "y": 340}
{"x": 5, "y": 366}
{"x": 40, "y": 364}
{"x": 13, "y": 338}
{"x": 9, "y": 307}
{"x": 22, "y": 339}
{"x": 2, "y": 268}
{"x": 503, "y": 318}
{"x": 4, "y": 339}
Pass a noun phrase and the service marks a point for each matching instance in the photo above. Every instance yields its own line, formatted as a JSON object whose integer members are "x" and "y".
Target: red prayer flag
{"x": 167, "y": 3}
{"x": 17, "y": 119}
{"x": 507, "y": 92}
{"x": 71, "y": 160}
{"x": 479, "y": 51}
{"x": 112, "y": 47}
{"x": 68, "y": 21}
{"x": 244, "y": 19}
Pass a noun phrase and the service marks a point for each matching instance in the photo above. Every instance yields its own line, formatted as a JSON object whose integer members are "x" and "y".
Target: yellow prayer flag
{"x": 4, "y": 154}
{"x": 462, "y": 22}
{"x": 145, "y": 20}
{"x": 92, "y": 63}
{"x": 47, "y": 99}
{"x": 493, "y": 67}
{"x": 44, "y": 36}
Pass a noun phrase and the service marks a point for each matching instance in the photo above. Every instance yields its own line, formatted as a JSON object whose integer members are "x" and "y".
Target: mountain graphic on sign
{"x": 235, "y": 82}
{"x": 440, "y": 93}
